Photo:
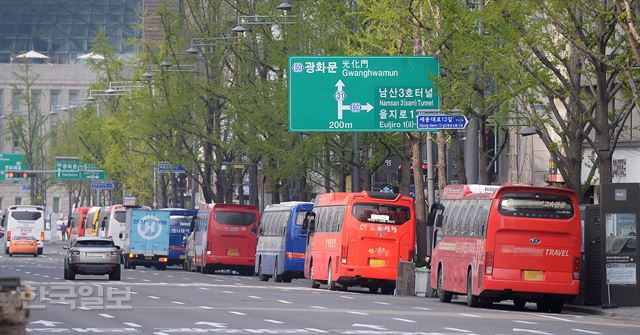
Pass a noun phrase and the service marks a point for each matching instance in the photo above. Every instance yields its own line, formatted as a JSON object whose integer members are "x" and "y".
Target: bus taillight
{"x": 344, "y": 250}
{"x": 488, "y": 263}
{"x": 42, "y": 236}
{"x": 576, "y": 268}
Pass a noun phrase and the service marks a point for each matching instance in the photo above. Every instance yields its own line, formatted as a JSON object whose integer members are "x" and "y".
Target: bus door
{"x": 535, "y": 237}
{"x": 296, "y": 240}
{"x": 236, "y": 233}
{"x": 377, "y": 235}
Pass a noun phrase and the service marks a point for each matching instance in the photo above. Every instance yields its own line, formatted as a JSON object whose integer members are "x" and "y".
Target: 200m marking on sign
{"x": 340, "y": 125}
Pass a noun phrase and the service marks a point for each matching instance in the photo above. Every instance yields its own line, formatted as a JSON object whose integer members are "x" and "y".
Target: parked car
{"x": 92, "y": 256}
{"x": 23, "y": 245}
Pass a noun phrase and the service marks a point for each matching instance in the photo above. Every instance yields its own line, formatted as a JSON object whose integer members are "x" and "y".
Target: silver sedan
{"x": 92, "y": 256}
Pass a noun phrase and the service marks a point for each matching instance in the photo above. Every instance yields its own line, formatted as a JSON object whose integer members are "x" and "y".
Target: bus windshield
{"x": 378, "y": 213}
{"x": 234, "y": 218}
{"x": 535, "y": 205}
{"x": 27, "y": 216}
{"x": 120, "y": 216}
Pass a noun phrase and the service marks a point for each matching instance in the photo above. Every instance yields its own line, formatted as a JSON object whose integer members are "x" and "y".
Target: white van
{"x": 113, "y": 223}
{"x": 24, "y": 220}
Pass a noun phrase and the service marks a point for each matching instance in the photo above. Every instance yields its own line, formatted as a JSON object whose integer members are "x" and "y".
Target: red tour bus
{"x": 513, "y": 242}
{"x": 223, "y": 236}
{"x": 77, "y": 222}
{"x": 357, "y": 239}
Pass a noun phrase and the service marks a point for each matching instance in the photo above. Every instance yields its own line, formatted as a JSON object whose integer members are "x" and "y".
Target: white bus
{"x": 24, "y": 220}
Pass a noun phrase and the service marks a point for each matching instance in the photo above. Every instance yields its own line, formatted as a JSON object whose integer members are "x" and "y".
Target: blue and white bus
{"x": 179, "y": 223}
{"x": 282, "y": 243}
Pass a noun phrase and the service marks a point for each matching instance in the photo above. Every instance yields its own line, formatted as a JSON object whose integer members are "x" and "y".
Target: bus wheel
{"x": 373, "y": 289}
{"x": 542, "y": 306}
{"x": 443, "y": 295}
{"x": 276, "y": 277}
{"x": 519, "y": 303}
{"x": 472, "y": 300}
{"x": 331, "y": 284}
{"x": 314, "y": 283}
{"x": 261, "y": 275}
{"x": 556, "y": 306}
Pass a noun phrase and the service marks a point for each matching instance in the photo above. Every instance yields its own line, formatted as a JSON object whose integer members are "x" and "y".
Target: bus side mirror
{"x": 309, "y": 222}
{"x": 435, "y": 215}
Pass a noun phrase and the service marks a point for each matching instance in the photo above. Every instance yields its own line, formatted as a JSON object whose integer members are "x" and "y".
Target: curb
{"x": 607, "y": 313}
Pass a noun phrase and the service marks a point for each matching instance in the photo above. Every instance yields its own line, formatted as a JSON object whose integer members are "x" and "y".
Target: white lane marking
{"x": 470, "y": 315}
{"x": 346, "y": 297}
{"x": 237, "y": 313}
{"x": 177, "y": 302}
{"x": 45, "y": 276}
{"x": 186, "y": 278}
{"x": 532, "y": 331}
{"x": 27, "y": 272}
{"x": 554, "y": 318}
{"x": 152, "y": 297}
{"x": 380, "y": 303}
{"x": 205, "y": 307}
{"x": 403, "y": 320}
{"x": 318, "y": 307}
{"x": 131, "y": 324}
{"x": 56, "y": 278}
{"x": 422, "y": 308}
{"x": 230, "y": 292}
{"x": 525, "y": 322}
{"x": 146, "y": 280}
{"x": 585, "y": 331}
{"x": 273, "y": 321}
{"x": 357, "y": 313}
{"x": 108, "y": 316}
{"x": 160, "y": 333}
{"x": 130, "y": 278}
{"x": 204, "y": 288}
{"x": 285, "y": 302}
{"x": 376, "y": 327}
{"x": 457, "y": 330}
{"x": 218, "y": 280}
{"x": 84, "y": 308}
{"x": 132, "y": 292}
{"x": 238, "y": 284}
{"x": 254, "y": 297}
{"x": 316, "y": 330}
{"x": 169, "y": 276}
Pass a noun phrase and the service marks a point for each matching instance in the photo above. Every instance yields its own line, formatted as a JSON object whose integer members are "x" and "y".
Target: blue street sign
{"x": 164, "y": 167}
{"x": 178, "y": 170}
{"x": 102, "y": 186}
{"x": 442, "y": 121}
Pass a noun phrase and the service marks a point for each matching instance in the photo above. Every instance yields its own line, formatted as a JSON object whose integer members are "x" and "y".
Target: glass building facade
{"x": 66, "y": 29}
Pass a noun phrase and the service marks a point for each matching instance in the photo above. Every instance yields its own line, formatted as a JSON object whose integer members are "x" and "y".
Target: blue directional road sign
{"x": 442, "y": 121}
{"x": 178, "y": 169}
{"x": 164, "y": 167}
{"x": 102, "y": 186}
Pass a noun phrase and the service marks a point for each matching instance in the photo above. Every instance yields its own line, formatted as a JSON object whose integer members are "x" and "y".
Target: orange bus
{"x": 77, "y": 222}
{"x": 223, "y": 236}
{"x": 357, "y": 239}
{"x": 494, "y": 243}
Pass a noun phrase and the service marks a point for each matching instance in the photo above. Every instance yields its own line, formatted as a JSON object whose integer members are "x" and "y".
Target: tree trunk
{"x": 327, "y": 166}
{"x": 442, "y": 160}
{"x": 458, "y": 149}
{"x": 420, "y": 208}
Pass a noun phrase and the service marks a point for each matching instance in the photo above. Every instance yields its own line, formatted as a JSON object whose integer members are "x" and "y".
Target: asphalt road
{"x": 148, "y": 301}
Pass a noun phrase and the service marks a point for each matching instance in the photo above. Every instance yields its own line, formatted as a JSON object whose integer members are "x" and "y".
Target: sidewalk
{"x": 622, "y": 313}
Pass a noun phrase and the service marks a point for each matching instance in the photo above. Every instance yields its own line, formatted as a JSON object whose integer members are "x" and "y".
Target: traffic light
{"x": 17, "y": 174}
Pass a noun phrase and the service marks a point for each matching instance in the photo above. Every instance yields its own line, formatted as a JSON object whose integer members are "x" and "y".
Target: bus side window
{"x": 454, "y": 220}
{"x": 319, "y": 219}
{"x": 341, "y": 211}
{"x": 472, "y": 218}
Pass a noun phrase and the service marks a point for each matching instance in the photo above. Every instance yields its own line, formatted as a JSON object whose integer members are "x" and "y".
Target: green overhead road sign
{"x": 361, "y": 93}
{"x": 70, "y": 168}
{"x": 12, "y": 162}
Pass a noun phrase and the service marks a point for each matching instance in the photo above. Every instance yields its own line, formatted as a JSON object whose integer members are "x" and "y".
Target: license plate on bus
{"x": 94, "y": 254}
{"x": 377, "y": 263}
{"x": 233, "y": 252}
{"x": 532, "y": 275}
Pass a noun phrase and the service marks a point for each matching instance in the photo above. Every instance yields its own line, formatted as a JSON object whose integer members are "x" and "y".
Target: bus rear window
{"x": 384, "y": 214}
{"x": 26, "y": 216}
{"x": 234, "y": 218}
{"x": 535, "y": 205}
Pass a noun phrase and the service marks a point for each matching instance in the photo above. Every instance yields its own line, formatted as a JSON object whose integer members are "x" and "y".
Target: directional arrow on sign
{"x": 339, "y": 84}
{"x": 367, "y": 107}
{"x": 212, "y": 324}
{"x": 46, "y": 323}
